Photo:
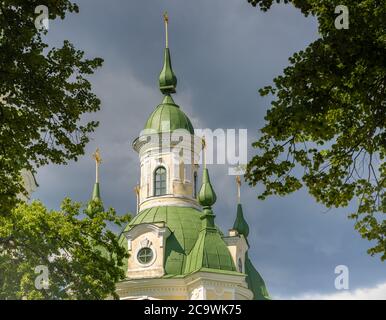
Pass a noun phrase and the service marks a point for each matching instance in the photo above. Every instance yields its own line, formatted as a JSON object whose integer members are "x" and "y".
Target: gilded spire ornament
{"x": 96, "y": 195}
{"x": 166, "y": 21}
{"x": 98, "y": 160}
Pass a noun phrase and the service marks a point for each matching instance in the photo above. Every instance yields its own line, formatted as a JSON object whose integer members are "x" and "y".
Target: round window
{"x": 145, "y": 255}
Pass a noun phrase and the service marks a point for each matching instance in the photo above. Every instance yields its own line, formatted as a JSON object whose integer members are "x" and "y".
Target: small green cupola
{"x": 96, "y": 195}
{"x": 206, "y": 197}
{"x": 240, "y": 225}
{"x": 210, "y": 253}
{"x": 167, "y": 78}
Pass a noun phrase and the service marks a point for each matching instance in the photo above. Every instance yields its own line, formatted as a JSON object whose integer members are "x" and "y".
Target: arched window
{"x": 160, "y": 181}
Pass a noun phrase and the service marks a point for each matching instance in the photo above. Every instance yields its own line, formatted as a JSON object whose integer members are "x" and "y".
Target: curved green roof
{"x": 211, "y": 252}
{"x": 123, "y": 243}
{"x": 185, "y": 224}
{"x": 168, "y": 117}
{"x": 255, "y": 281}
{"x": 192, "y": 247}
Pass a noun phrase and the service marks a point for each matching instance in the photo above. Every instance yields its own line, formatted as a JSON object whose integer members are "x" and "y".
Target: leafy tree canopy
{"x": 325, "y": 129}
{"x": 83, "y": 257}
{"x": 43, "y": 94}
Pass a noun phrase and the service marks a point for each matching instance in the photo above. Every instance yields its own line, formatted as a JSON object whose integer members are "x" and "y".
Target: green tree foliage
{"x": 325, "y": 129}
{"x": 83, "y": 257}
{"x": 43, "y": 94}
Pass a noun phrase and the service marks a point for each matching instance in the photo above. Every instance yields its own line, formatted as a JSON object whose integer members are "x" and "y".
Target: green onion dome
{"x": 206, "y": 196}
{"x": 240, "y": 224}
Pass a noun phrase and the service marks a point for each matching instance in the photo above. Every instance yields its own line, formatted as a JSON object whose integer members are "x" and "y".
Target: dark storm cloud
{"x": 222, "y": 52}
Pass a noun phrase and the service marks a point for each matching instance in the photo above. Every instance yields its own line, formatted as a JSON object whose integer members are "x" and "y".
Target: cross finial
{"x": 166, "y": 20}
{"x": 238, "y": 182}
{"x": 97, "y": 157}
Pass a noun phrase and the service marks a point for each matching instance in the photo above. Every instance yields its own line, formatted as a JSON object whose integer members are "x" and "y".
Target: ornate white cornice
{"x": 157, "y": 228}
{"x": 184, "y": 287}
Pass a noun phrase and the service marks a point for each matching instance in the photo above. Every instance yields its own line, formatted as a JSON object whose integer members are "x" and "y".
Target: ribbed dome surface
{"x": 168, "y": 117}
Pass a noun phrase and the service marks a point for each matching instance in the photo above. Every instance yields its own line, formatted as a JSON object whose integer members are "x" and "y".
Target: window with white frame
{"x": 160, "y": 181}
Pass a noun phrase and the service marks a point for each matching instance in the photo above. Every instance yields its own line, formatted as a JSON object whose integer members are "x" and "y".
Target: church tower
{"x": 176, "y": 250}
{"x": 168, "y": 149}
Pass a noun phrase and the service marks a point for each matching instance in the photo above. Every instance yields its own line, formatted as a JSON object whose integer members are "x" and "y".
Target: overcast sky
{"x": 222, "y": 52}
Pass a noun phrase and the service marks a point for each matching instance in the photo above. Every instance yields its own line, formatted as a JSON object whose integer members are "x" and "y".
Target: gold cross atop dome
{"x": 166, "y": 20}
{"x": 97, "y": 157}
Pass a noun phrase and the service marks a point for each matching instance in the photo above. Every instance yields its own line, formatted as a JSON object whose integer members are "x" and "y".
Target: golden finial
{"x": 166, "y": 20}
{"x": 238, "y": 182}
{"x": 97, "y": 157}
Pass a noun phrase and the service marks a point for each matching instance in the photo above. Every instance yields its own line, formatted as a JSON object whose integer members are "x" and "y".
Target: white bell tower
{"x": 169, "y": 168}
